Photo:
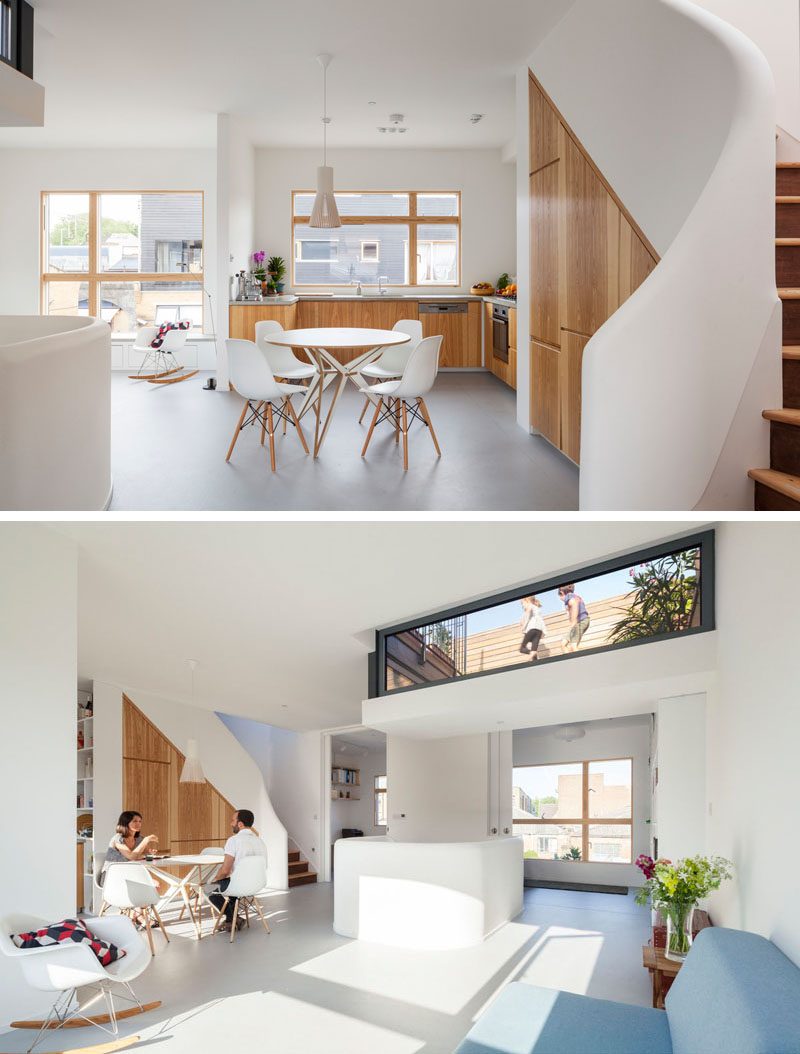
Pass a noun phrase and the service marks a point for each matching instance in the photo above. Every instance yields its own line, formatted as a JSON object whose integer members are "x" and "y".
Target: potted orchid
{"x": 675, "y": 889}
{"x": 259, "y": 271}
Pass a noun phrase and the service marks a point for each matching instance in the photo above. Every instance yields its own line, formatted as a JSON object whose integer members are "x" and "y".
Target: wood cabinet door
{"x": 488, "y": 356}
{"x": 545, "y": 396}
{"x": 545, "y": 257}
{"x": 145, "y": 788}
{"x": 544, "y": 122}
{"x": 242, "y": 319}
{"x": 141, "y": 739}
{"x": 455, "y": 330}
{"x": 571, "y": 365}
{"x": 512, "y": 327}
{"x": 592, "y": 224}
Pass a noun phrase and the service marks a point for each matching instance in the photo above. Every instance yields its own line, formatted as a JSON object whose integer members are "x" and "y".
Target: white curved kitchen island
{"x": 427, "y": 895}
{"x": 55, "y": 413}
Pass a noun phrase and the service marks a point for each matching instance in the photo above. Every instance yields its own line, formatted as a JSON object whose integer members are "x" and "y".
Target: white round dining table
{"x": 321, "y": 345}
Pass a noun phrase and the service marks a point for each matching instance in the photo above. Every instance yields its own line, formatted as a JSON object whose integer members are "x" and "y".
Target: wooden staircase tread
{"x": 792, "y": 352}
{"x": 783, "y": 416}
{"x": 787, "y": 241}
{"x": 787, "y": 199}
{"x": 787, "y": 164}
{"x": 789, "y": 294}
{"x": 781, "y": 482}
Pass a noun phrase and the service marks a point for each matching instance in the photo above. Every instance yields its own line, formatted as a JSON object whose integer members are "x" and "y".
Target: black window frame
{"x": 20, "y": 37}
{"x": 704, "y": 540}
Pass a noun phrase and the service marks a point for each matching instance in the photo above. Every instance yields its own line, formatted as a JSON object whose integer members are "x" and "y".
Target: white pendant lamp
{"x": 192, "y": 771}
{"x": 324, "y": 213}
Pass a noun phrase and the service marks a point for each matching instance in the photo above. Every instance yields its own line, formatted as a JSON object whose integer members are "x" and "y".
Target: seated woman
{"x": 128, "y": 843}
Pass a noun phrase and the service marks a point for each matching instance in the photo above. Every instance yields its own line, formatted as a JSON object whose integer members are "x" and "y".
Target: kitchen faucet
{"x": 381, "y": 279}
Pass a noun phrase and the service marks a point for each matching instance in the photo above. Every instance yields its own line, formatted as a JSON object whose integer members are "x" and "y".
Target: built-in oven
{"x": 500, "y": 332}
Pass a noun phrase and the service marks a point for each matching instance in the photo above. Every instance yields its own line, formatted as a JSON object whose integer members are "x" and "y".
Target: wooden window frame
{"x": 376, "y": 791}
{"x": 94, "y": 277}
{"x": 410, "y": 220}
{"x": 585, "y": 821}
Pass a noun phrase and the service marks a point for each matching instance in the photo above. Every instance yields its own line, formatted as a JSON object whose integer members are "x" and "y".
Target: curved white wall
{"x": 677, "y": 109}
{"x": 55, "y": 413}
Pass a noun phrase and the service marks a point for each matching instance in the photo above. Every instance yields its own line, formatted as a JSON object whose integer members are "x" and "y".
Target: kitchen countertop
{"x": 291, "y": 298}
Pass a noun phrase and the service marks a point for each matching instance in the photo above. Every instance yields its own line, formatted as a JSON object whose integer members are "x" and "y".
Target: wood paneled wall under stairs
{"x": 587, "y": 257}
{"x": 185, "y": 816}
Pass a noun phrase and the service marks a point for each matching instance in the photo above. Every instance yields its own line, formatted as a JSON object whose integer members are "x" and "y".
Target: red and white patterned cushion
{"x": 164, "y": 328}
{"x": 69, "y": 930}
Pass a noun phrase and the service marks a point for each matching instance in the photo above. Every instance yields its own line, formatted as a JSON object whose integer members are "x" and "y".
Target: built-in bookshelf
{"x": 345, "y": 784}
{"x": 84, "y": 801}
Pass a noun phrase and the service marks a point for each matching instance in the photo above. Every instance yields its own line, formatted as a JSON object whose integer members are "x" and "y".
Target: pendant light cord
{"x": 325, "y": 117}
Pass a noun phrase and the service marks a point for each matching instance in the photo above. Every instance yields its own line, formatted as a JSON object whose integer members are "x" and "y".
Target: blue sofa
{"x": 735, "y": 994}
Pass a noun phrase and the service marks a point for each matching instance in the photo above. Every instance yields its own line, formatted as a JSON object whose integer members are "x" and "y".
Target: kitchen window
{"x": 133, "y": 258}
{"x": 410, "y": 238}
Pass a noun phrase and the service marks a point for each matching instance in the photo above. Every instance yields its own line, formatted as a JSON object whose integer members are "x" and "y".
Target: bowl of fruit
{"x": 482, "y": 289}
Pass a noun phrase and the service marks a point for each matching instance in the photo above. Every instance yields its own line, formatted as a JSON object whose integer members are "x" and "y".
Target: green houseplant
{"x": 276, "y": 265}
{"x": 665, "y": 598}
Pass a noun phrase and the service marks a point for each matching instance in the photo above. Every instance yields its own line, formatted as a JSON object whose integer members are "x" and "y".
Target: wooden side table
{"x": 654, "y": 960}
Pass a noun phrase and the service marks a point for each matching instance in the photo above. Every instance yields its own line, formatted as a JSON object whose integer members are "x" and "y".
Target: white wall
{"x": 754, "y": 728}
{"x": 297, "y": 789}
{"x": 21, "y": 100}
{"x": 25, "y": 173}
{"x": 361, "y": 813}
{"x": 680, "y": 795}
{"x": 774, "y": 26}
{"x": 486, "y": 183}
{"x": 621, "y": 737}
{"x": 38, "y": 695}
{"x": 438, "y": 789}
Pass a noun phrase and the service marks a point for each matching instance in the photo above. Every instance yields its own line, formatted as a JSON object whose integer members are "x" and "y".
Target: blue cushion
{"x": 525, "y": 1019}
{"x": 735, "y": 992}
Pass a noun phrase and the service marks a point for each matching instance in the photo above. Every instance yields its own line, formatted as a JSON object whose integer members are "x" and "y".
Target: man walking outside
{"x": 578, "y": 616}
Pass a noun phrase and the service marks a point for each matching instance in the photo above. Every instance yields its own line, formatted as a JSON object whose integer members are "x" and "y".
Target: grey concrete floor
{"x": 304, "y": 990}
{"x": 169, "y": 444}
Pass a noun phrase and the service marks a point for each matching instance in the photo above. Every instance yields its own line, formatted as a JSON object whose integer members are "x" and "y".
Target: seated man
{"x": 243, "y": 842}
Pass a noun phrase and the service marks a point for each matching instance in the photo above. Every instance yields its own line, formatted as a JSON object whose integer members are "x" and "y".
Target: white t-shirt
{"x": 535, "y": 620}
{"x": 244, "y": 843}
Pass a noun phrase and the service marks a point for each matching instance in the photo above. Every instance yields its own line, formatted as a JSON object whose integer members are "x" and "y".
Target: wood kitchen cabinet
{"x": 242, "y": 318}
{"x": 506, "y": 372}
{"x": 587, "y": 257}
{"x": 461, "y": 330}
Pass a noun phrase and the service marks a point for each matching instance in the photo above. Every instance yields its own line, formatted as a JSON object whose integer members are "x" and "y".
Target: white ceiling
{"x": 281, "y": 616}
{"x": 155, "y": 72}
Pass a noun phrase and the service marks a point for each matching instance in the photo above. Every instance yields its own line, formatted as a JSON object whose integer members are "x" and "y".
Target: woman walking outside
{"x": 533, "y": 627}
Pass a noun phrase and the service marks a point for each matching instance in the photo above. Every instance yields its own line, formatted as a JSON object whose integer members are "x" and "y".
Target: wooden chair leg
{"x": 271, "y": 429}
{"x": 239, "y": 424}
{"x": 297, "y": 424}
{"x": 428, "y": 421}
{"x": 149, "y": 932}
{"x": 235, "y": 919}
{"x": 378, "y": 409}
{"x": 103, "y": 909}
{"x": 396, "y": 422}
{"x": 220, "y": 916}
{"x": 405, "y": 435}
{"x": 366, "y": 404}
{"x": 257, "y": 907}
{"x": 161, "y": 925}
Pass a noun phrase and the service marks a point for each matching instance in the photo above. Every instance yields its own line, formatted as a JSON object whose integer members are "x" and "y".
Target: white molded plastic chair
{"x": 282, "y": 361}
{"x": 130, "y": 888}
{"x": 194, "y": 891}
{"x": 66, "y": 967}
{"x": 249, "y": 878}
{"x": 163, "y": 358}
{"x": 399, "y": 399}
{"x": 253, "y": 379}
{"x": 393, "y": 360}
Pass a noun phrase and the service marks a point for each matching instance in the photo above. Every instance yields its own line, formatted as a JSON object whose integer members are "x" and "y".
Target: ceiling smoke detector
{"x": 475, "y": 117}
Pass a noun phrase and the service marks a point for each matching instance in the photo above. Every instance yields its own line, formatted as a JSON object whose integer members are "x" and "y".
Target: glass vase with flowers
{"x": 675, "y": 889}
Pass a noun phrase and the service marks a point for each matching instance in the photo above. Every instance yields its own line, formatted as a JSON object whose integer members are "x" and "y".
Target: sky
{"x": 542, "y": 780}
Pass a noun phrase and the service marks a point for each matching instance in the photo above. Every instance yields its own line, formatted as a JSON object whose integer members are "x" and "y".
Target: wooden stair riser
{"x": 294, "y": 856}
{"x": 784, "y": 448}
{"x": 768, "y": 500}
{"x": 787, "y": 182}
{"x": 787, "y": 221}
{"x": 298, "y": 867}
{"x": 791, "y": 322}
{"x": 301, "y": 880}
{"x": 791, "y": 383}
{"x": 787, "y": 265}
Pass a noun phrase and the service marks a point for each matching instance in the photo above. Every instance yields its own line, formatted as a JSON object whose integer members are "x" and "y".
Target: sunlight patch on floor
{"x": 565, "y": 959}
{"x": 444, "y": 981}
